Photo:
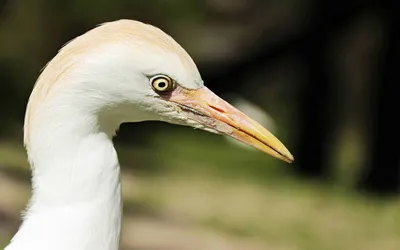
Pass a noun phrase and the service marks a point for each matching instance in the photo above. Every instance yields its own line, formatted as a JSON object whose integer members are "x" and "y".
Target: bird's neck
{"x": 76, "y": 188}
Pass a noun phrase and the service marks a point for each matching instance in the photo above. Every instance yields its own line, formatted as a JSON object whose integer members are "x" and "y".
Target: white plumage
{"x": 122, "y": 71}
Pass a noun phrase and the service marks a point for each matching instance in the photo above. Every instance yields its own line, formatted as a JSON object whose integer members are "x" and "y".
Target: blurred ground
{"x": 197, "y": 201}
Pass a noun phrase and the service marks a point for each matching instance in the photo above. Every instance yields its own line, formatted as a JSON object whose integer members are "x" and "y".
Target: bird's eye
{"x": 162, "y": 83}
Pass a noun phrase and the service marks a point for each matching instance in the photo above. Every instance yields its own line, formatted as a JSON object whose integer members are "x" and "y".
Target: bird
{"x": 119, "y": 71}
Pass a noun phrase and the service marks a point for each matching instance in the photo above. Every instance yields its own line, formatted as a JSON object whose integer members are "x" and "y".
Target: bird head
{"x": 128, "y": 71}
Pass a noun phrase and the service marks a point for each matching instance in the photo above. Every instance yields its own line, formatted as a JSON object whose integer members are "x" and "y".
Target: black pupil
{"x": 162, "y": 84}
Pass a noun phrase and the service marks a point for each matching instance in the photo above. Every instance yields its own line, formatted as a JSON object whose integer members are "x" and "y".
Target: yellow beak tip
{"x": 287, "y": 157}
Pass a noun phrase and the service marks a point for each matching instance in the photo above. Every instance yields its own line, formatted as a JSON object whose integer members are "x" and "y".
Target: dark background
{"x": 325, "y": 71}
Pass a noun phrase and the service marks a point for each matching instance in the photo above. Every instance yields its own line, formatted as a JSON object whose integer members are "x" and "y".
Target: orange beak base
{"x": 205, "y": 107}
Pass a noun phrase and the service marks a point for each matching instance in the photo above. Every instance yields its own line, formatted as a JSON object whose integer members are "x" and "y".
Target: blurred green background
{"x": 321, "y": 75}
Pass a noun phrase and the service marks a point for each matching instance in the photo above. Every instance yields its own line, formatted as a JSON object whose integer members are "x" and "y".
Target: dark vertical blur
{"x": 382, "y": 173}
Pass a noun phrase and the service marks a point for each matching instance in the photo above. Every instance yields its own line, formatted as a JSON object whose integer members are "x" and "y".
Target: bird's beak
{"x": 213, "y": 112}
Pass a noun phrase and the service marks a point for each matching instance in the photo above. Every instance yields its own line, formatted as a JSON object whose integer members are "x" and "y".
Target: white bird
{"x": 121, "y": 71}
